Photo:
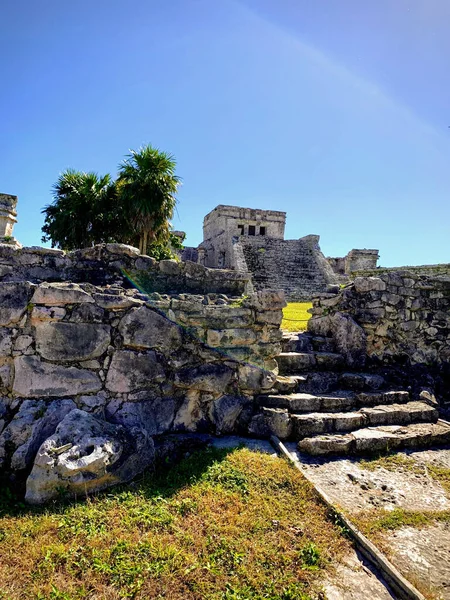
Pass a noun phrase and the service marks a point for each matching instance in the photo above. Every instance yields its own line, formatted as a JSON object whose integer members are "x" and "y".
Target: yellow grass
{"x": 295, "y": 316}
{"x": 222, "y": 525}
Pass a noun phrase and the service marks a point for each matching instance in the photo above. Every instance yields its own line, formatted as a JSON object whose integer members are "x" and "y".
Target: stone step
{"x": 305, "y": 403}
{"x": 378, "y": 439}
{"x": 292, "y": 363}
{"x": 287, "y": 384}
{"x": 338, "y": 401}
{"x": 386, "y": 414}
{"x": 305, "y": 342}
{"x": 328, "y": 381}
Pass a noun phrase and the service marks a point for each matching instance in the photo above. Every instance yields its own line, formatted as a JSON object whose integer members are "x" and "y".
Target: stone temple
{"x": 252, "y": 240}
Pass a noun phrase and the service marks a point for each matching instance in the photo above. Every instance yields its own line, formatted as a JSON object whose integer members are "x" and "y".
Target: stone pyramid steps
{"x": 329, "y": 409}
{"x": 291, "y": 363}
{"x": 379, "y": 439}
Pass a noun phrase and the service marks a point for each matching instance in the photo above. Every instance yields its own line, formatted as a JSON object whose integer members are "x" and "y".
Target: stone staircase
{"x": 328, "y": 409}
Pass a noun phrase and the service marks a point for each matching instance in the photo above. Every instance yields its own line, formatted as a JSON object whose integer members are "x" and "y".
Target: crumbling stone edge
{"x": 401, "y": 586}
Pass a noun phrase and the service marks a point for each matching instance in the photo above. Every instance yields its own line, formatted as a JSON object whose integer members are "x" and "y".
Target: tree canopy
{"x": 88, "y": 208}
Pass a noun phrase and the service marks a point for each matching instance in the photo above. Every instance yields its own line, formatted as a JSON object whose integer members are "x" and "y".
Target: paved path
{"x": 353, "y": 579}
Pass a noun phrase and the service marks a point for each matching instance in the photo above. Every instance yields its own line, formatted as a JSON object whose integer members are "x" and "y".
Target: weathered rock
{"x": 116, "y": 301}
{"x": 86, "y": 455}
{"x": 145, "y": 328}
{"x": 14, "y": 298}
{"x": 210, "y": 377}
{"x": 34, "y": 422}
{"x": 60, "y": 294}
{"x": 369, "y": 284}
{"x": 225, "y": 412}
{"x": 130, "y": 371}
{"x": 72, "y": 341}
{"x": 47, "y": 313}
{"x": 36, "y": 379}
{"x": 255, "y": 379}
{"x": 155, "y": 416}
{"x": 350, "y": 339}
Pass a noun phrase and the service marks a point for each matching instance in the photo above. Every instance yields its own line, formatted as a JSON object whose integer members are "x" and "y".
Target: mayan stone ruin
{"x": 105, "y": 352}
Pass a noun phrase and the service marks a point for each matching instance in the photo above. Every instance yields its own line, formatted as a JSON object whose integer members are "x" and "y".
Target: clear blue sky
{"x": 336, "y": 111}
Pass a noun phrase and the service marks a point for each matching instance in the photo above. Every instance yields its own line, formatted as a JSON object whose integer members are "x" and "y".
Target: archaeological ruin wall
{"x": 81, "y": 362}
{"x": 405, "y": 316}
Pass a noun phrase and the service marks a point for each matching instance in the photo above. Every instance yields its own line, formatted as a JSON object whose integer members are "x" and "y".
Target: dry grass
{"x": 220, "y": 525}
{"x": 295, "y": 316}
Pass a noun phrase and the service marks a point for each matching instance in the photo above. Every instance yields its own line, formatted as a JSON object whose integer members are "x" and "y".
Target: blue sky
{"x": 336, "y": 111}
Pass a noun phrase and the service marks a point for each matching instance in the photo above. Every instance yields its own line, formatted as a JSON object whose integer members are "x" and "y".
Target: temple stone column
{"x": 8, "y": 219}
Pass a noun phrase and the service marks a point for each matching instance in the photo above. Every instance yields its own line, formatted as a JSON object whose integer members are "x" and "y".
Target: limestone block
{"x": 116, "y": 301}
{"x": 145, "y": 328}
{"x": 268, "y": 300}
{"x": 155, "y": 415}
{"x": 86, "y": 455}
{"x": 254, "y": 378}
{"x": 34, "y": 422}
{"x": 210, "y": 377}
{"x": 14, "y": 298}
{"x": 60, "y": 294}
{"x": 22, "y": 343}
{"x": 5, "y": 341}
{"x": 224, "y": 413}
{"x": 144, "y": 263}
{"x": 369, "y": 284}
{"x": 279, "y": 422}
{"x": 36, "y": 379}
{"x": 230, "y": 337}
{"x": 6, "y": 375}
{"x": 350, "y": 339}
{"x": 72, "y": 341}
{"x": 44, "y": 313}
{"x": 190, "y": 414}
{"x": 270, "y": 317}
{"x": 124, "y": 249}
{"x": 170, "y": 267}
{"x": 131, "y": 371}
{"x": 87, "y": 313}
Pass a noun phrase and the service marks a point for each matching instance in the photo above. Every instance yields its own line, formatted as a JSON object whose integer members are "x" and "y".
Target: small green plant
{"x": 310, "y": 556}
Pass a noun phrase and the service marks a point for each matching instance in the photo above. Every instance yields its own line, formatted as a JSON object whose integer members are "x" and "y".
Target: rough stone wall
{"x": 406, "y": 316}
{"x": 296, "y": 266}
{"x": 116, "y": 263}
{"x": 428, "y": 270}
{"x": 155, "y": 363}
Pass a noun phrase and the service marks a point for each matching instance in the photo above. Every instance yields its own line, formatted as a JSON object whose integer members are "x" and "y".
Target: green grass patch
{"x": 295, "y": 316}
{"x": 220, "y": 525}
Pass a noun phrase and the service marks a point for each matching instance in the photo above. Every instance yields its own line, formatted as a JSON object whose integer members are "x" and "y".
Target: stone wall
{"x": 117, "y": 263}
{"x": 298, "y": 267}
{"x": 405, "y": 315}
{"x": 146, "y": 364}
{"x": 428, "y": 270}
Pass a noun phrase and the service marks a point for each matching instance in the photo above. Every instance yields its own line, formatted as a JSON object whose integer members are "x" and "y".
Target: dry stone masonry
{"x": 80, "y": 362}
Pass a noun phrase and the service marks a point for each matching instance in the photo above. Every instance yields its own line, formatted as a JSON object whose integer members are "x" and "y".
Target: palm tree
{"x": 84, "y": 211}
{"x": 147, "y": 186}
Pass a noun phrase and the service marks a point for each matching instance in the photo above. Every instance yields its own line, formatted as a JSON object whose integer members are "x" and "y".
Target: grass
{"x": 295, "y": 316}
{"x": 221, "y": 525}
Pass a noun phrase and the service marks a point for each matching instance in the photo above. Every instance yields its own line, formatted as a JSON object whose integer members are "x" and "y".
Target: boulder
{"x": 60, "y": 294}
{"x": 130, "y": 371}
{"x": 34, "y": 422}
{"x": 72, "y": 341}
{"x": 145, "y": 328}
{"x": 14, "y": 299}
{"x": 36, "y": 379}
{"x": 86, "y": 455}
